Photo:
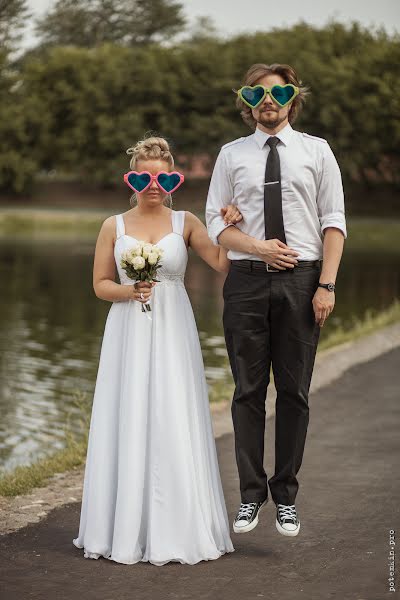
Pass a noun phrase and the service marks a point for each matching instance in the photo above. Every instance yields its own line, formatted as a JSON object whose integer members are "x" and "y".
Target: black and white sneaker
{"x": 247, "y": 517}
{"x": 287, "y": 522}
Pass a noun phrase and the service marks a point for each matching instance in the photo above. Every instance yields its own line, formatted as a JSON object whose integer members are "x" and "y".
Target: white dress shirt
{"x": 311, "y": 184}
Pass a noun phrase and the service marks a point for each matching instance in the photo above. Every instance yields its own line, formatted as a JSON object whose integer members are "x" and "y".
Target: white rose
{"x": 138, "y": 263}
{"x": 136, "y": 250}
{"x": 126, "y": 258}
{"x": 152, "y": 258}
{"x": 158, "y": 251}
{"x": 147, "y": 248}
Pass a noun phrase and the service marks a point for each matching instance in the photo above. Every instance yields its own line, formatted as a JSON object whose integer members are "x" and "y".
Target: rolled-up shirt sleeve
{"x": 220, "y": 194}
{"x": 330, "y": 199}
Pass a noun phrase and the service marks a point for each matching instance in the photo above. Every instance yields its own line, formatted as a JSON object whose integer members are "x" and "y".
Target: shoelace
{"x": 245, "y": 510}
{"x": 287, "y": 512}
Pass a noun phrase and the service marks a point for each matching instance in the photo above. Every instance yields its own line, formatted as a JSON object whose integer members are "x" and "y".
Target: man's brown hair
{"x": 288, "y": 74}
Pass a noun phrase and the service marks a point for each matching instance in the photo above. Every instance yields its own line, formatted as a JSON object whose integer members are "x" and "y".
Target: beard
{"x": 271, "y": 121}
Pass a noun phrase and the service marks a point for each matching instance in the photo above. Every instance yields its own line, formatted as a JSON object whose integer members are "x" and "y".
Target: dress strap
{"x": 178, "y": 221}
{"x": 120, "y": 225}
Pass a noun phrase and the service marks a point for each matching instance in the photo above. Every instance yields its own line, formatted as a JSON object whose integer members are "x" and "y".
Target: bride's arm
{"x": 104, "y": 284}
{"x": 200, "y": 242}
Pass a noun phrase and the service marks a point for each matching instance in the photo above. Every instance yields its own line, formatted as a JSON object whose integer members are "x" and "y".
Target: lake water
{"x": 52, "y": 325}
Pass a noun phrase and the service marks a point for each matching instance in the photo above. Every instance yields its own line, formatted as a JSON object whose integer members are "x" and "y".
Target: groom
{"x": 280, "y": 288}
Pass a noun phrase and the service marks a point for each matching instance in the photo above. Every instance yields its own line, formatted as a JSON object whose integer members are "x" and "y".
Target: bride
{"x": 152, "y": 490}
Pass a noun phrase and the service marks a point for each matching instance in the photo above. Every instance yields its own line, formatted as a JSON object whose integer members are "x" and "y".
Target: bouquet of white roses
{"x": 141, "y": 263}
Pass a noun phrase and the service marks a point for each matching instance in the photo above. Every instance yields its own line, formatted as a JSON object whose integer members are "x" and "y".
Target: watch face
{"x": 331, "y": 287}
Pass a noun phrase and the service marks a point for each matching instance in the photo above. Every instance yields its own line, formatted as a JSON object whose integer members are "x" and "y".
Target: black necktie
{"x": 273, "y": 218}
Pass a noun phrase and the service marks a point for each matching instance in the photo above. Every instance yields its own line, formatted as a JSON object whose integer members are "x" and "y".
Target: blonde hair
{"x": 288, "y": 74}
{"x": 150, "y": 148}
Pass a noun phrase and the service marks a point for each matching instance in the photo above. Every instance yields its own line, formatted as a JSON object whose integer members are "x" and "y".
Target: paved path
{"x": 348, "y": 501}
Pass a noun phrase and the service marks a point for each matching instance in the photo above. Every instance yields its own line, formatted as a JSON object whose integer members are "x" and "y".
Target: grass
{"x": 371, "y": 322}
{"x": 364, "y": 233}
{"x": 23, "y": 479}
{"x": 221, "y": 390}
{"x": 60, "y": 223}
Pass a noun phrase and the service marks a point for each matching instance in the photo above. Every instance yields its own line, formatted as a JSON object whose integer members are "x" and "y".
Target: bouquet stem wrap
{"x": 141, "y": 263}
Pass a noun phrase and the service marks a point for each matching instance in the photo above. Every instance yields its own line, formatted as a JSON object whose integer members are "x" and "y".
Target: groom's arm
{"x": 269, "y": 251}
{"x": 220, "y": 194}
{"x": 234, "y": 239}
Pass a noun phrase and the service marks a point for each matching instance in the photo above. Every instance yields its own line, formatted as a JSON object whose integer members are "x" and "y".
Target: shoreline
{"x": 63, "y": 488}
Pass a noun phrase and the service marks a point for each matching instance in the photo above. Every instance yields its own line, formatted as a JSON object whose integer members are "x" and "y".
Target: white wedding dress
{"x": 152, "y": 489}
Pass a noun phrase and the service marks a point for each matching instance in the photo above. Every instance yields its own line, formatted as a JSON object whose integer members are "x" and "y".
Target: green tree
{"x": 18, "y": 160}
{"x": 90, "y": 23}
{"x": 77, "y": 109}
{"x": 13, "y": 14}
{"x": 203, "y": 30}
{"x": 87, "y": 102}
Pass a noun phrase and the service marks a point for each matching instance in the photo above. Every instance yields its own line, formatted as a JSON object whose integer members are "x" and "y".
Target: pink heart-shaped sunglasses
{"x": 167, "y": 182}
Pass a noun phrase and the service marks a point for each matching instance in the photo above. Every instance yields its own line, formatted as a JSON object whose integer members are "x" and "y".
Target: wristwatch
{"x": 328, "y": 286}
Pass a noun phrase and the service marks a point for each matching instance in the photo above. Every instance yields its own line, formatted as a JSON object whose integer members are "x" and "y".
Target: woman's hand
{"x": 231, "y": 214}
{"x": 142, "y": 291}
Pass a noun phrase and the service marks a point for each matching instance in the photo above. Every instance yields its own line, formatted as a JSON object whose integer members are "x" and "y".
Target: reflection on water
{"x": 52, "y": 325}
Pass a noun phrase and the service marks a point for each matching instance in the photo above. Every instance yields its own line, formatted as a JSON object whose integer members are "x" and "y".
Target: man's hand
{"x": 276, "y": 253}
{"x": 323, "y": 303}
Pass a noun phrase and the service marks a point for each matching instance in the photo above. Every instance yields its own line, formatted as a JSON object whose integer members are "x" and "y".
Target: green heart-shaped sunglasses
{"x": 254, "y": 95}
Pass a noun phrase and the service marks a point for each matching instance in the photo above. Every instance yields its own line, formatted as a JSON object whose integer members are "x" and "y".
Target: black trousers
{"x": 269, "y": 319}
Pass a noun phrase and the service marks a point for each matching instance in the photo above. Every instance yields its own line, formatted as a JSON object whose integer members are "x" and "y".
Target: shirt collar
{"x": 284, "y": 135}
